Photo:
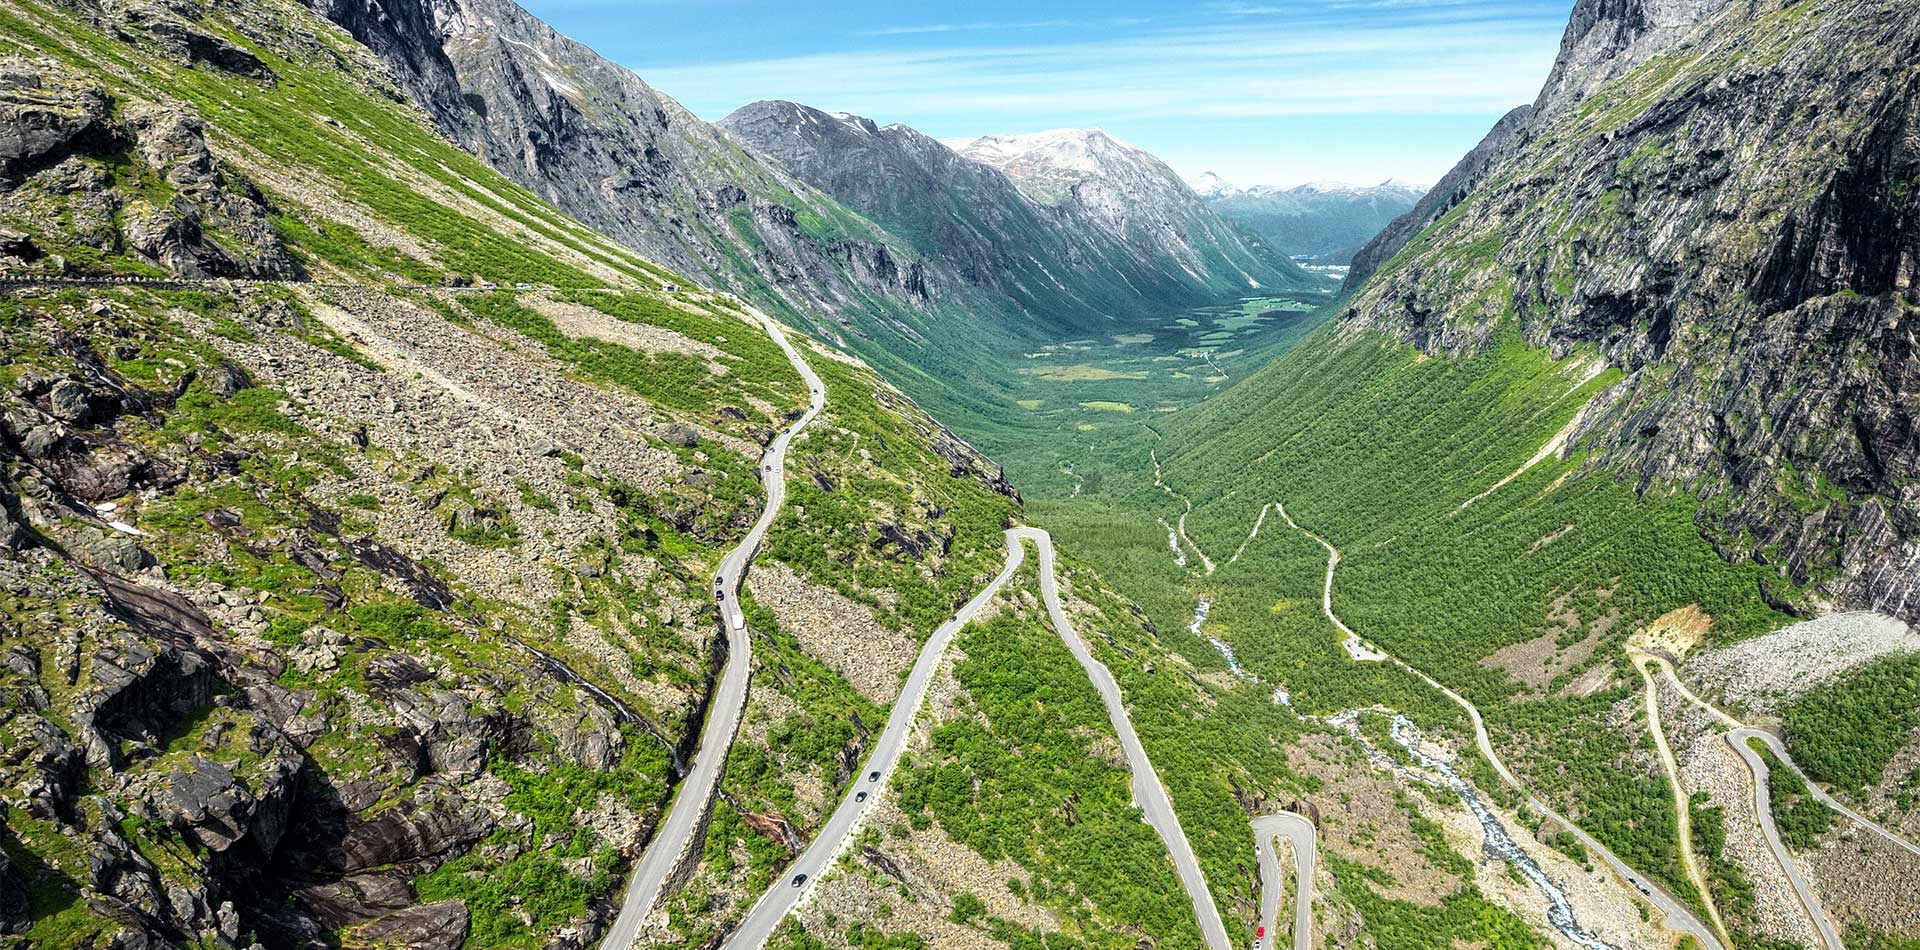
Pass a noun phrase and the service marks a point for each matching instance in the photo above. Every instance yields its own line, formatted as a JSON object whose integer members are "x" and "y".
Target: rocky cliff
{"x": 599, "y": 143}
{"x": 344, "y": 603}
{"x": 1730, "y": 213}
{"x": 1605, "y": 39}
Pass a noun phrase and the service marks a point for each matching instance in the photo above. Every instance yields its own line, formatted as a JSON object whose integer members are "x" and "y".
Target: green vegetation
{"x": 535, "y": 884}
{"x": 1464, "y": 915}
{"x": 1846, "y": 732}
{"x": 1016, "y": 777}
{"x": 1801, "y": 818}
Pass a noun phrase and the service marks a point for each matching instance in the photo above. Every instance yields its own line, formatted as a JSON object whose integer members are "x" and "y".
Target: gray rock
{"x": 437, "y": 926}
{"x": 45, "y": 116}
{"x": 70, "y": 401}
{"x": 680, "y": 435}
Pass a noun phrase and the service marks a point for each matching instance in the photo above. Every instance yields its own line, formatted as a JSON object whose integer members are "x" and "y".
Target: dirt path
{"x": 1683, "y": 814}
{"x": 1678, "y": 916}
{"x": 1205, "y": 563}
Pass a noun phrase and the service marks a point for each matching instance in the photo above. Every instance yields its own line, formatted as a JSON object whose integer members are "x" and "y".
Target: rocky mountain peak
{"x": 1210, "y": 185}
{"x": 1047, "y": 165}
{"x": 1606, "y": 39}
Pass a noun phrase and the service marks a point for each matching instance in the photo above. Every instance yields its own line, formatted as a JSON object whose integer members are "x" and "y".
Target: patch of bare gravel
{"x": 867, "y": 883}
{"x": 1866, "y": 882}
{"x": 1765, "y": 673}
{"x": 1708, "y": 765}
{"x": 577, "y": 320}
{"x": 835, "y": 630}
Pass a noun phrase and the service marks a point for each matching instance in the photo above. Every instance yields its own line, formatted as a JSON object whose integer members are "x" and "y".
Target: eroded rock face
{"x": 1728, "y": 212}
{"x": 1604, "y": 40}
{"x": 61, "y": 169}
{"x": 615, "y": 153}
{"x": 45, "y": 117}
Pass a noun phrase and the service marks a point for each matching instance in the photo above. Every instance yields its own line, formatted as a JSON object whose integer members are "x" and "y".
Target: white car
{"x": 739, "y": 621}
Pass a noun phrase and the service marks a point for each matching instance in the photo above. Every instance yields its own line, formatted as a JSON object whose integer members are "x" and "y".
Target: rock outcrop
{"x": 1722, "y": 201}
{"x": 1605, "y": 39}
{"x": 131, "y": 177}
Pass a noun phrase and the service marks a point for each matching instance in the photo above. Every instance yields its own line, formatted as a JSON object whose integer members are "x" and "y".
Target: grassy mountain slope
{"x": 352, "y": 613}
{"x": 1627, "y": 376}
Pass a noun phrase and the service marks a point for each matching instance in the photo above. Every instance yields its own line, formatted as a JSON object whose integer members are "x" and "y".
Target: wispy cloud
{"x": 1447, "y": 59}
{"x": 966, "y": 27}
{"x": 1260, "y": 90}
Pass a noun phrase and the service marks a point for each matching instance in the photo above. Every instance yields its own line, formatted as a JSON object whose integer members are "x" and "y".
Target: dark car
{"x": 859, "y": 796}
{"x": 873, "y": 776}
{"x": 799, "y": 879}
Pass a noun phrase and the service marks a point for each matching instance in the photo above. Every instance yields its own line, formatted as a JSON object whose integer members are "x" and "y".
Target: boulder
{"x": 438, "y": 926}
{"x": 45, "y": 116}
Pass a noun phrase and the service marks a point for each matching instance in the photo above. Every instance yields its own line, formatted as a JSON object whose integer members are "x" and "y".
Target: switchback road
{"x": 1148, "y": 793}
{"x": 1300, "y": 833}
{"x": 670, "y": 842}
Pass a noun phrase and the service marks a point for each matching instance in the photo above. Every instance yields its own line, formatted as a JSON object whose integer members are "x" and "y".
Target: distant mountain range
{"x": 1325, "y": 221}
{"x": 826, "y": 220}
{"x": 1069, "y": 226}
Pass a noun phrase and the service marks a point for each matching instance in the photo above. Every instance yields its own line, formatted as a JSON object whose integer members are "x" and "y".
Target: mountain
{"x": 347, "y": 608}
{"x": 629, "y": 161}
{"x": 602, "y": 145}
{"x": 1640, "y": 371}
{"x": 1056, "y": 261}
{"x": 1602, "y": 43}
{"x": 1210, "y": 185}
{"x": 1130, "y": 195}
{"x": 1328, "y": 221}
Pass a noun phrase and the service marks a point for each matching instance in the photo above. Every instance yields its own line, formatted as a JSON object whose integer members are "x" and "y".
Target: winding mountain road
{"x": 1682, "y": 809}
{"x": 1678, "y": 916}
{"x": 1300, "y": 833}
{"x": 1737, "y": 736}
{"x": 689, "y": 808}
{"x": 1769, "y": 829}
{"x": 866, "y": 789}
{"x": 871, "y": 781}
{"x": 1148, "y": 793}
{"x": 1779, "y": 749}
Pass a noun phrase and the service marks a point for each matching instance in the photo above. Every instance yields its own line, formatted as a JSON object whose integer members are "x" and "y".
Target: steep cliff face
{"x": 599, "y": 143}
{"x": 1735, "y": 222}
{"x": 1605, "y": 39}
{"x": 1049, "y": 257}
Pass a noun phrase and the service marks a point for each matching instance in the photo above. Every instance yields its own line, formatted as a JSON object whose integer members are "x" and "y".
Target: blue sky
{"x": 1260, "y": 91}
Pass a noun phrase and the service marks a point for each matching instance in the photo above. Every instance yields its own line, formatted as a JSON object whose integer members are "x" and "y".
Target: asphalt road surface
{"x": 839, "y": 830}
{"x": 1763, "y": 807}
{"x": 690, "y": 803}
{"x": 1300, "y": 833}
{"x": 820, "y": 855}
{"x": 1147, "y": 791}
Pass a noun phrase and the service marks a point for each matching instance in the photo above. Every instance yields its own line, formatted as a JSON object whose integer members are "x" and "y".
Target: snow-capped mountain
{"x": 1210, "y": 185}
{"x": 1326, "y": 220}
{"x": 1065, "y": 222}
